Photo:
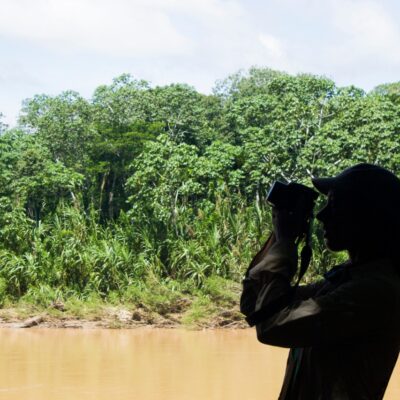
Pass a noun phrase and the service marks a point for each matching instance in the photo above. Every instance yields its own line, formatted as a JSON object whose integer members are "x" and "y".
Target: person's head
{"x": 363, "y": 209}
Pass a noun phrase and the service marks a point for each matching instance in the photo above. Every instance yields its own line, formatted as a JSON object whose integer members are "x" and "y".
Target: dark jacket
{"x": 344, "y": 331}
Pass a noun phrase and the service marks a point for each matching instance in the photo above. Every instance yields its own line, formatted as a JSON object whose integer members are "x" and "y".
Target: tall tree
{"x": 63, "y": 124}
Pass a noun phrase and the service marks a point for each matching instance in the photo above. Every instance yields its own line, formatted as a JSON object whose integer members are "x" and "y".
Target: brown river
{"x": 145, "y": 364}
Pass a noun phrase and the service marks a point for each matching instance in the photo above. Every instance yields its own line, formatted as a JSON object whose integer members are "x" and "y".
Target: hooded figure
{"x": 343, "y": 331}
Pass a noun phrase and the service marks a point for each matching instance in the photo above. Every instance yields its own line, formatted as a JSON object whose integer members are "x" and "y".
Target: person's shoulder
{"x": 379, "y": 271}
{"x": 375, "y": 285}
{"x": 381, "y": 277}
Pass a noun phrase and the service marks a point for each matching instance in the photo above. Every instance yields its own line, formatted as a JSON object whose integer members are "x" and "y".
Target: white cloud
{"x": 115, "y": 27}
{"x": 79, "y": 44}
{"x": 203, "y": 8}
{"x": 368, "y": 29}
{"x": 273, "y": 45}
{"x": 118, "y": 27}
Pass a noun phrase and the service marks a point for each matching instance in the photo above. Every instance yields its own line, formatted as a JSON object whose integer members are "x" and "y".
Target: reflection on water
{"x": 146, "y": 364}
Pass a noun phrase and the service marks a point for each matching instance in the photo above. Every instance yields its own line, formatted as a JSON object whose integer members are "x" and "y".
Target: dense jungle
{"x": 150, "y": 200}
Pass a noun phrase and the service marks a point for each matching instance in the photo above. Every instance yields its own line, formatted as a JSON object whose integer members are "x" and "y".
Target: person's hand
{"x": 288, "y": 225}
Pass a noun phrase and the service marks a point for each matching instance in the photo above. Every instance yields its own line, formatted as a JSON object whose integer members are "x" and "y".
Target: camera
{"x": 288, "y": 196}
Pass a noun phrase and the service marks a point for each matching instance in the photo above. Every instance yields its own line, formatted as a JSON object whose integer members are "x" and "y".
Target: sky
{"x": 48, "y": 46}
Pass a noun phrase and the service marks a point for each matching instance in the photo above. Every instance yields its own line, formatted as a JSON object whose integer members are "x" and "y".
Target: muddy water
{"x": 145, "y": 364}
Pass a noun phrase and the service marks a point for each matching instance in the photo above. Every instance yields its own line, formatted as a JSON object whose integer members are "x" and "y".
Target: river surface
{"x": 145, "y": 364}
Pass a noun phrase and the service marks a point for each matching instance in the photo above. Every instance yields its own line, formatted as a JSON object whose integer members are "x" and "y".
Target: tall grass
{"x": 71, "y": 253}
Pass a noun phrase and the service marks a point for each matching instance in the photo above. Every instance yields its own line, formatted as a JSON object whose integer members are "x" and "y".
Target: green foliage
{"x": 200, "y": 311}
{"x": 221, "y": 290}
{"x": 156, "y": 296}
{"x": 3, "y": 291}
{"x": 389, "y": 90}
{"x": 148, "y": 194}
{"x": 41, "y": 295}
{"x": 63, "y": 124}
{"x": 3, "y": 126}
{"x": 112, "y": 153}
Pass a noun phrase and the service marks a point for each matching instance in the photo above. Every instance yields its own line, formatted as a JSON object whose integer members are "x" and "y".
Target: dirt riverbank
{"x": 113, "y": 317}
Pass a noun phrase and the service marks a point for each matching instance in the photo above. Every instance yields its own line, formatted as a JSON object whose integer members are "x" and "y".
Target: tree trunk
{"x": 102, "y": 185}
{"x": 111, "y": 198}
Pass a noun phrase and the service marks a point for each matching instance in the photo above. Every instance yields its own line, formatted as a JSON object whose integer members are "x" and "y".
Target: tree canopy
{"x": 95, "y": 193}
